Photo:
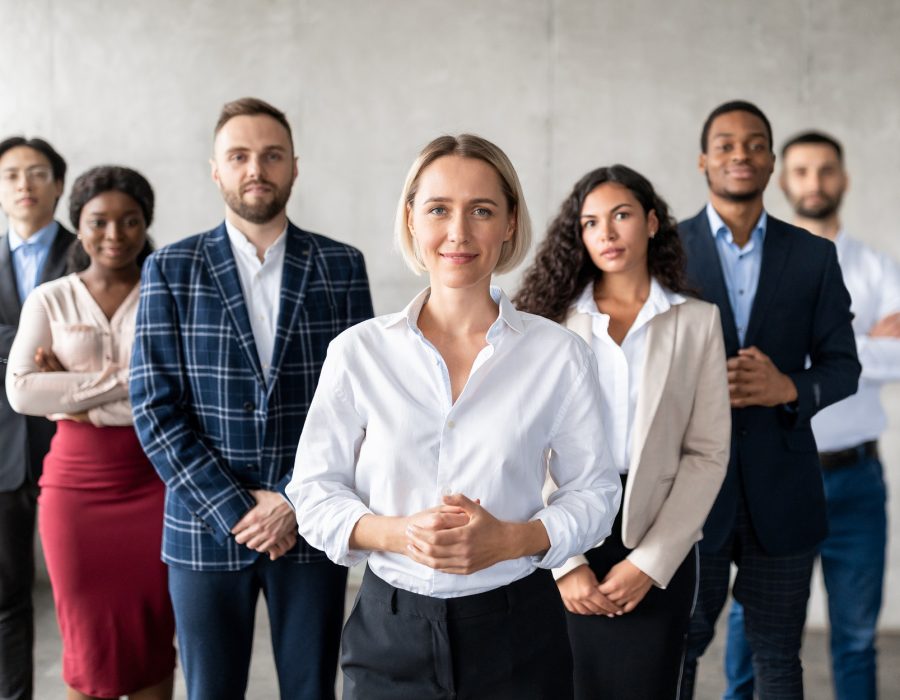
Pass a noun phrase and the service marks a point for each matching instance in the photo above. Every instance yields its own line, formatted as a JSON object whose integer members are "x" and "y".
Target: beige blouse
{"x": 95, "y": 351}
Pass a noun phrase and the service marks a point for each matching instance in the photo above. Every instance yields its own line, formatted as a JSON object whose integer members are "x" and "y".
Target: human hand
{"x": 754, "y": 380}
{"x": 887, "y": 327}
{"x": 46, "y": 361}
{"x": 625, "y": 585}
{"x": 580, "y": 594}
{"x": 270, "y": 526}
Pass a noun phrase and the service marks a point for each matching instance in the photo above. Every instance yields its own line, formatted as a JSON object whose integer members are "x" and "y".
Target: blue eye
{"x": 439, "y": 211}
{"x": 482, "y": 212}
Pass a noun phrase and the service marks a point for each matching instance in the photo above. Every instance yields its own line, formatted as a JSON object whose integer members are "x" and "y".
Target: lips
{"x": 742, "y": 173}
{"x": 611, "y": 253}
{"x": 459, "y": 258}
{"x": 26, "y": 201}
{"x": 257, "y": 188}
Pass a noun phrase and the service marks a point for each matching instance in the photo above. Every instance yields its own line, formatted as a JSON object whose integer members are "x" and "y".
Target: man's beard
{"x": 825, "y": 210}
{"x": 733, "y": 196}
{"x": 262, "y": 212}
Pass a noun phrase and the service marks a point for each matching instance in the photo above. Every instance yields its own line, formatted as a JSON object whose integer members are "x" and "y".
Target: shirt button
{"x": 446, "y": 490}
{"x": 451, "y": 424}
{"x": 248, "y": 406}
{"x": 741, "y": 292}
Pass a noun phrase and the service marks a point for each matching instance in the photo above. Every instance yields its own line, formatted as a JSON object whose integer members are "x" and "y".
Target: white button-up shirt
{"x": 383, "y": 436}
{"x": 873, "y": 280}
{"x": 261, "y": 285}
{"x": 621, "y": 368}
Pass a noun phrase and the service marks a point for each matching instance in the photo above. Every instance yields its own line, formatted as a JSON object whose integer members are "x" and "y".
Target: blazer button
{"x": 249, "y": 407}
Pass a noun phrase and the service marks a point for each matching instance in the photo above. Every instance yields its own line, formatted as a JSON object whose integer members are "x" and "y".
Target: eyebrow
{"x": 611, "y": 211}
{"x": 755, "y": 134}
{"x": 271, "y": 147}
{"x": 477, "y": 200}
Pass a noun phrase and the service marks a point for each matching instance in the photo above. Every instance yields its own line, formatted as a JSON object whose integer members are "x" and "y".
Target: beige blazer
{"x": 680, "y": 439}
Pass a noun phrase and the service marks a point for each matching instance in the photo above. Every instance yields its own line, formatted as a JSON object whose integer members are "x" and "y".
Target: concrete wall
{"x": 563, "y": 86}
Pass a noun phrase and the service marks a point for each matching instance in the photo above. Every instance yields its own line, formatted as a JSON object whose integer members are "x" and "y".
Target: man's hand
{"x": 888, "y": 327}
{"x": 754, "y": 380}
{"x": 580, "y": 594}
{"x": 270, "y": 526}
{"x": 625, "y": 585}
{"x": 47, "y": 361}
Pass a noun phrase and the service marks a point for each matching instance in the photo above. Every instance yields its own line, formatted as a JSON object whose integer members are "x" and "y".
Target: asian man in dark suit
{"x": 33, "y": 250}
{"x": 791, "y": 351}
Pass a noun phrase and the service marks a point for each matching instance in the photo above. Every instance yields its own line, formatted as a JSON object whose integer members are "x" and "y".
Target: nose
{"x": 113, "y": 231}
{"x": 458, "y": 229}
{"x": 254, "y": 165}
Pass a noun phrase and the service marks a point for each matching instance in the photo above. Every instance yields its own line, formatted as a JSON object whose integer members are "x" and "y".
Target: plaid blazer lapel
{"x": 298, "y": 263}
{"x": 223, "y": 270}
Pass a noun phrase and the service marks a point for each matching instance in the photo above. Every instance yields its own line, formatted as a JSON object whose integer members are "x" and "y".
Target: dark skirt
{"x": 100, "y": 517}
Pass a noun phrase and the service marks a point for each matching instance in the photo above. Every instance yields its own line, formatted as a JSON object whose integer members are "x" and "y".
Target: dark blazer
{"x": 24, "y": 440}
{"x": 801, "y": 310}
{"x": 209, "y": 423}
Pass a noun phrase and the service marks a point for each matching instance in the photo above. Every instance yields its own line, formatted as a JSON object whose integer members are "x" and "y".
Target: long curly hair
{"x": 562, "y": 266}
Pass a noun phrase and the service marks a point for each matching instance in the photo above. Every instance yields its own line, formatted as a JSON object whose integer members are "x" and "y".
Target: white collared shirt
{"x": 261, "y": 285}
{"x": 383, "y": 436}
{"x": 621, "y": 367}
{"x": 873, "y": 280}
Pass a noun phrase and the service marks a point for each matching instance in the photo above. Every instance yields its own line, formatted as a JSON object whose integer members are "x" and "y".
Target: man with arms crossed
{"x": 782, "y": 301}
{"x": 233, "y": 325}
{"x": 34, "y": 250}
{"x": 853, "y": 554}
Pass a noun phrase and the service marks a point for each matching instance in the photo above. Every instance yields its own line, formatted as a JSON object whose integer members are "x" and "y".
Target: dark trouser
{"x": 17, "y": 512}
{"x": 214, "y": 615}
{"x": 638, "y": 655}
{"x": 774, "y": 592}
{"x": 508, "y": 643}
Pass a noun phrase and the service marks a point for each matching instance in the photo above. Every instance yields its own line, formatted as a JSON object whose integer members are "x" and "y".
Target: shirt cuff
{"x": 571, "y": 564}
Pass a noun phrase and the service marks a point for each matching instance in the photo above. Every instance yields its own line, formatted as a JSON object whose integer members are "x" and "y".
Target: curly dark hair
{"x": 562, "y": 266}
{"x": 108, "y": 178}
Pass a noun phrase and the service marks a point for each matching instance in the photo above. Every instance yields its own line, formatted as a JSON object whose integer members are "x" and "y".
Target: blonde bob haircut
{"x": 466, "y": 146}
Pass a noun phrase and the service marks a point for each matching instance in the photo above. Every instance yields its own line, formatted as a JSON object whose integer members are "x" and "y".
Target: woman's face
{"x": 112, "y": 230}
{"x": 615, "y": 230}
{"x": 459, "y": 221}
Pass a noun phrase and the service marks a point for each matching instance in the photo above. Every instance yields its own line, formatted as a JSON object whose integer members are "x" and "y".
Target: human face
{"x": 615, "y": 231}
{"x": 112, "y": 230}
{"x": 459, "y": 220}
{"x": 254, "y": 167}
{"x": 738, "y": 160}
{"x": 813, "y": 180}
{"x": 28, "y": 192}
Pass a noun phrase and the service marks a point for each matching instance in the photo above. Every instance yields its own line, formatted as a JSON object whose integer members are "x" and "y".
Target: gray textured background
{"x": 562, "y": 86}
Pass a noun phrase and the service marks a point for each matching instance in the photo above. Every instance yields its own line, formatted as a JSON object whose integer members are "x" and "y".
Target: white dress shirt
{"x": 261, "y": 285}
{"x": 873, "y": 280}
{"x": 621, "y": 367}
{"x": 383, "y": 436}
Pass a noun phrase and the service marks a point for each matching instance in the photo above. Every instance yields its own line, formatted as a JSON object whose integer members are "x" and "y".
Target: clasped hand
{"x": 270, "y": 526}
{"x": 623, "y": 587}
{"x": 754, "y": 380}
{"x": 457, "y": 537}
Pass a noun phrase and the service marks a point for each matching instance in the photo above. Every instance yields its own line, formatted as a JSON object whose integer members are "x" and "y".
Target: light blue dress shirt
{"x": 30, "y": 255}
{"x": 740, "y": 266}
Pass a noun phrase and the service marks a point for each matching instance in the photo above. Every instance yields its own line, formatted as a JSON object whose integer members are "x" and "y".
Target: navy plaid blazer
{"x": 210, "y": 424}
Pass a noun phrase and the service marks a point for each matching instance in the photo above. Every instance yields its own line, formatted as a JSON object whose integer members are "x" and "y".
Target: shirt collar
{"x": 242, "y": 244}
{"x": 43, "y": 237}
{"x": 717, "y": 226}
{"x": 658, "y": 301}
{"x": 508, "y": 316}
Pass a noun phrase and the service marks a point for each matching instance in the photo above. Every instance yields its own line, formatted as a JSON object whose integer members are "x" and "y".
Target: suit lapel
{"x": 775, "y": 253}
{"x": 223, "y": 270}
{"x": 10, "y": 306}
{"x": 660, "y": 344}
{"x": 706, "y": 269}
{"x": 58, "y": 257}
{"x": 298, "y": 263}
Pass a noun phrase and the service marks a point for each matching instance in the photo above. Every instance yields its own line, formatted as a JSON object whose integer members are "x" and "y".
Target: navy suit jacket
{"x": 24, "y": 440}
{"x": 801, "y": 311}
{"x": 210, "y": 423}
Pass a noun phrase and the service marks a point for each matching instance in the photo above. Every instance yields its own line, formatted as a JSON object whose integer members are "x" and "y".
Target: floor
{"x": 49, "y": 686}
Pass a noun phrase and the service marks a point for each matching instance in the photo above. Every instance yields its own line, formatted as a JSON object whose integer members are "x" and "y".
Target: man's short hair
{"x": 814, "y": 137}
{"x": 251, "y": 107}
{"x": 57, "y": 163}
{"x": 733, "y": 106}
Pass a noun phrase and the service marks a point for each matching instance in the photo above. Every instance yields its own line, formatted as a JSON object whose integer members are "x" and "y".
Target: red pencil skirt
{"x": 100, "y": 518}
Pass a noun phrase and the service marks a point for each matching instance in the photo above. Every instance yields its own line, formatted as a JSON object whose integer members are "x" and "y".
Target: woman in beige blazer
{"x": 611, "y": 269}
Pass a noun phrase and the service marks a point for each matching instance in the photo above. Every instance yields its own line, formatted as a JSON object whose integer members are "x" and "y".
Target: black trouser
{"x": 774, "y": 592}
{"x": 638, "y": 655}
{"x": 506, "y": 643}
{"x": 17, "y": 511}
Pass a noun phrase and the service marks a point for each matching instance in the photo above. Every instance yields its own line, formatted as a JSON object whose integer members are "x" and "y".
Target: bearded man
{"x": 233, "y": 327}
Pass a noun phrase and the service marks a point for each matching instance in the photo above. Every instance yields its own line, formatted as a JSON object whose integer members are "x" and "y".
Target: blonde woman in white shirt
{"x": 426, "y": 446}
{"x": 611, "y": 269}
{"x": 101, "y": 503}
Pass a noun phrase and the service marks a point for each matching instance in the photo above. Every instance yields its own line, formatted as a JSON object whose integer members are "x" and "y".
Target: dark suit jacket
{"x": 210, "y": 423}
{"x": 24, "y": 440}
{"x": 801, "y": 310}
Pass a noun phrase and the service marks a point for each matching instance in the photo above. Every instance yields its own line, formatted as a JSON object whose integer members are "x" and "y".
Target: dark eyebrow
{"x": 611, "y": 211}
{"x": 755, "y": 134}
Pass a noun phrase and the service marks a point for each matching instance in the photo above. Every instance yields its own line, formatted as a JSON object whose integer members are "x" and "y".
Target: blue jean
{"x": 853, "y": 558}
